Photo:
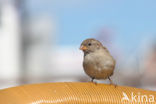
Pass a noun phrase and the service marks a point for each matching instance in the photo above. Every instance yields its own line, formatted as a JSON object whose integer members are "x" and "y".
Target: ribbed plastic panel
{"x": 75, "y": 93}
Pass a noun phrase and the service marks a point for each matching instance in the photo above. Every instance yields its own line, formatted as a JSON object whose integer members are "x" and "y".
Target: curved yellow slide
{"x": 76, "y": 93}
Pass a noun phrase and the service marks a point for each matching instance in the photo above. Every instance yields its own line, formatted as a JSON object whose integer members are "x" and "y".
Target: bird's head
{"x": 90, "y": 45}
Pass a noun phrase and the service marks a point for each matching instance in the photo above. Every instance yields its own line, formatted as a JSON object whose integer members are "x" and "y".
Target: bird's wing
{"x": 105, "y": 49}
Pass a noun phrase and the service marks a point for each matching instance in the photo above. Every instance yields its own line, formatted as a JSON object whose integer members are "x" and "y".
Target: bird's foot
{"x": 95, "y": 83}
{"x": 115, "y": 85}
{"x": 92, "y": 80}
{"x": 111, "y": 82}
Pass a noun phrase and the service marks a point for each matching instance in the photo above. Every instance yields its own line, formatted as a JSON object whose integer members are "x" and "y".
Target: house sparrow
{"x": 97, "y": 63}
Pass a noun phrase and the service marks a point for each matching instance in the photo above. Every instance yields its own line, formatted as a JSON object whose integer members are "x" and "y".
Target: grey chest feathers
{"x": 99, "y": 65}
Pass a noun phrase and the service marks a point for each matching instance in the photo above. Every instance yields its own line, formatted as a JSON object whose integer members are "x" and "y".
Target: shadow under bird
{"x": 98, "y": 62}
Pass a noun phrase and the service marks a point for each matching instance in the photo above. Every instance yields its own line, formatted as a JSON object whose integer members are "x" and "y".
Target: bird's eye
{"x": 89, "y": 44}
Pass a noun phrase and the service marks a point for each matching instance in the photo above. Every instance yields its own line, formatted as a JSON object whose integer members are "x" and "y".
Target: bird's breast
{"x": 98, "y": 66}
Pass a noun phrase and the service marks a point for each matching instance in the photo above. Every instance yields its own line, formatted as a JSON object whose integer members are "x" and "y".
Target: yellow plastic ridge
{"x": 76, "y": 93}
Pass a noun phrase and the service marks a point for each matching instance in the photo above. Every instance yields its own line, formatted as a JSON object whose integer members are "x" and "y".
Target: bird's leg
{"x": 111, "y": 82}
{"x": 92, "y": 80}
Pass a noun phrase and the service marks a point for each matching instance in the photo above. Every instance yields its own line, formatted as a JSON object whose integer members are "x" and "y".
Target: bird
{"x": 98, "y": 63}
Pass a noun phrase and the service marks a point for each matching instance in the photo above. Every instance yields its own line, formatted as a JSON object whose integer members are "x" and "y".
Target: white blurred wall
{"x": 9, "y": 41}
{"x": 39, "y": 46}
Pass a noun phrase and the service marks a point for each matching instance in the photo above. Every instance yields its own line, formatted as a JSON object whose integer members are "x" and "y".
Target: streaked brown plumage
{"x": 97, "y": 63}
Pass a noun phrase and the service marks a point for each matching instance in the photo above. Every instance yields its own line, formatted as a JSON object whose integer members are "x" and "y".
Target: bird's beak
{"x": 83, "y": 48}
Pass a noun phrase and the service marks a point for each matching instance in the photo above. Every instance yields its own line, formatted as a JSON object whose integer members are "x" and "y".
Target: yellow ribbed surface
{"x": 74, "y": 93}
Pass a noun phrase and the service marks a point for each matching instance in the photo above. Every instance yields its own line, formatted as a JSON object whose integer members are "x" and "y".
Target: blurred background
{"x": 40, "y": 39}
